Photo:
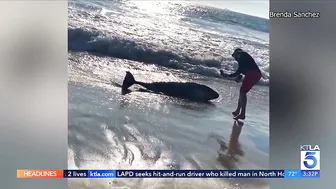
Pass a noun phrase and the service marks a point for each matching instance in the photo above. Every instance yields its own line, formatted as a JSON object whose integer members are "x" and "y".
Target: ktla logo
{"x": 310, "y": 157}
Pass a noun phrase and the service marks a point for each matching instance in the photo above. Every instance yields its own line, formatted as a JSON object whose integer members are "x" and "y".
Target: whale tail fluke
{"x": 128, "y": 81}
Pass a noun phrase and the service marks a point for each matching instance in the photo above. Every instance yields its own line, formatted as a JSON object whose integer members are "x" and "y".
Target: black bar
{"x": 75, "y": 173}
{"x": 200, "y": 174}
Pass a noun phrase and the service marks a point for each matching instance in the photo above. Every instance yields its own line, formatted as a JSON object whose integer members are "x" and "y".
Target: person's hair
{"x": 237, "y": 50}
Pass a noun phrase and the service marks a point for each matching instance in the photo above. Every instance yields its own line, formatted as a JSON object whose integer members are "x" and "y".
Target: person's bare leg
{"x": 243, "y": 102}
{"x": 237, "y": 111}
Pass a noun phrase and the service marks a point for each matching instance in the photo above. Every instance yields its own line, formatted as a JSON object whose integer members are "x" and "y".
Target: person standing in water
{"x": 248, "y": 67}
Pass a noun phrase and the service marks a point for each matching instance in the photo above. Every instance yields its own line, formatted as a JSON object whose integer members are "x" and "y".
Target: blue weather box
{"x": 310, "y": 159}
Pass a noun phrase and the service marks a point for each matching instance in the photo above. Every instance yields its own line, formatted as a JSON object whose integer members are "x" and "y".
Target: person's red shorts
{"x": 251, "y": 78}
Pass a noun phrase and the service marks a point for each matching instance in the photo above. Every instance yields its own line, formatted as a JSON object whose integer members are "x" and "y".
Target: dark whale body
{"x": 189, "y": 90}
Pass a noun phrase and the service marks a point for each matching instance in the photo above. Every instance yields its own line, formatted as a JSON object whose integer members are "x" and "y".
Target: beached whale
{"x": 189, "y": 90}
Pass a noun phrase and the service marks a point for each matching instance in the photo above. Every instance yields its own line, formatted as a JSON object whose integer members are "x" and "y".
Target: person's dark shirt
{"x": 245, "y": 64}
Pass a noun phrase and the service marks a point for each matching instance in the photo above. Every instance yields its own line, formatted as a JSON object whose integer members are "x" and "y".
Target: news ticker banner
{"x": 309, "y": 168}
{"x": 168, "y": 174}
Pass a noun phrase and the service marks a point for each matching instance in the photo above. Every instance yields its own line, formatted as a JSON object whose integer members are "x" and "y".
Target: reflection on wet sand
{"x": 228, "y": 155}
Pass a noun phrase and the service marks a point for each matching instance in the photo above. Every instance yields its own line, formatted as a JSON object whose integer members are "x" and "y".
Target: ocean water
{"x": 163, "y": 41}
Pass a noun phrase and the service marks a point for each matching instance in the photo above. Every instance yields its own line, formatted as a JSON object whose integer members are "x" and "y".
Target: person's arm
{"x": 237, "y": 73}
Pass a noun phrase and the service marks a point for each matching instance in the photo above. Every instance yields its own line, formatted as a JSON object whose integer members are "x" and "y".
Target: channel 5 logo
{"x": 310, "y": 157}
